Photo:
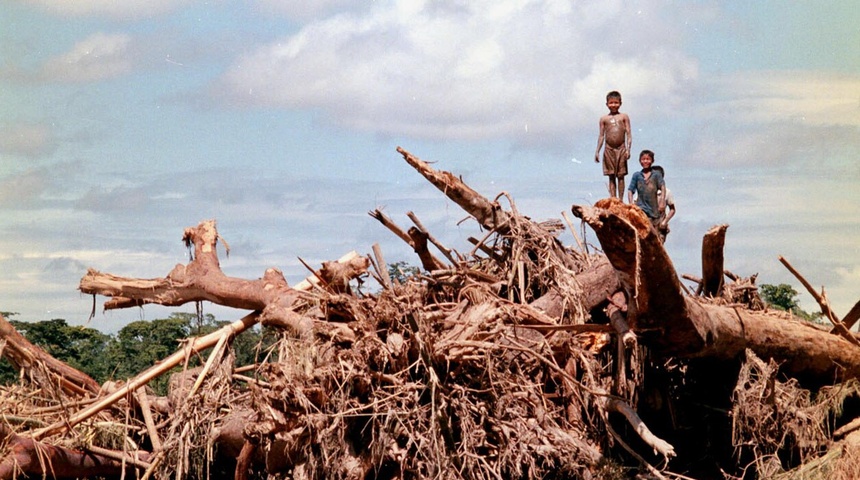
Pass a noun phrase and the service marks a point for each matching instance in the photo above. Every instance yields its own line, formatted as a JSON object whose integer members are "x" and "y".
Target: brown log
{"x": 201, "y": 279}
{"x": 673, "y": 324}
{"x": 712, "y": 261}
{"x": 23, "y": 355}
{"x": 419, "y": 243}
{"x": 489, "y": 214}
{"x": 852, "y": 316}
{"x": 30, "y": 457}
{"x": 202, "y": 274}
{"x": 598, "y": 282}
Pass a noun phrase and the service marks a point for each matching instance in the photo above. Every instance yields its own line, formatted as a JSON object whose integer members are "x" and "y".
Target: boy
{"x": 615, "y": 134}
{"x": 646, "y": 183}
{"x": 669, "y": 200}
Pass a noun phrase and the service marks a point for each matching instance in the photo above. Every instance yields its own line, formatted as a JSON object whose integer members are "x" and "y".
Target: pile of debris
{"x": 523, "y": 358}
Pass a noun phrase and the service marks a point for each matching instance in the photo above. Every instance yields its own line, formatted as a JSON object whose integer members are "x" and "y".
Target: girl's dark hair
{"x": 659, "y": 169}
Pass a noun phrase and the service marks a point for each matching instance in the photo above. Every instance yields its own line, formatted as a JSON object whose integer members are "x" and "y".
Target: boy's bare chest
{"x": 614, "y": 122}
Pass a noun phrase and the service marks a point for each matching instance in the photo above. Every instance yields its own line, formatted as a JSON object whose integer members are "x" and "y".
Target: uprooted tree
{"x": 522, "y": 358}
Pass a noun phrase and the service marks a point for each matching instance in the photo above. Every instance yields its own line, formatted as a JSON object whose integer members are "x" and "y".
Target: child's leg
{"x": 611, "y": 186}
{"x": 621, "y": 187}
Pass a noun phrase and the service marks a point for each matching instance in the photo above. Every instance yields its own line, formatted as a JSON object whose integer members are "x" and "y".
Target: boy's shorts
{"x": 614, "y": 162}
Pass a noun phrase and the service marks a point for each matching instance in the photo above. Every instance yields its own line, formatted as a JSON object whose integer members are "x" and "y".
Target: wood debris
{"x": 520, "y": 358}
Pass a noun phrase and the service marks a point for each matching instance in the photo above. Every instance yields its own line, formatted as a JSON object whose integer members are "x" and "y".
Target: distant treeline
{"x": 133, "y": 349}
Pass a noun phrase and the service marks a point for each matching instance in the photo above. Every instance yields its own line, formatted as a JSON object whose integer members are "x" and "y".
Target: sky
{"x": 124, "y": 122}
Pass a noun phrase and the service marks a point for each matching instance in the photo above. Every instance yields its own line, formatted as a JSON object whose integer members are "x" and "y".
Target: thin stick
{"x": 215, "y": 354}
{"x": 152, "y": 466}
{"x": 316, "y": 276}
{"x": 119, "y": 456}
{"x": 381, "y": 266}
{"x": 852, "y": 316}
{"x": 389, "y": 224}
{"x": 823, "y": 303}
{"x": 146, "y": 410}
{"x": 442, "y": 248}
{"x": 572, "y": 230}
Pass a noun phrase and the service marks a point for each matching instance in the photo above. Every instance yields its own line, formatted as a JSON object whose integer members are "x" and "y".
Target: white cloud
{"x": 770, "y": 119}
{"x": 25, "y": 188}
{"x": 27, "y": 140}
{"x": 805, "y": 97}
{"x": 303, "y": 9}
{"x": 100, "y": 56}
{"x": 471, "y": 70}
{"x": 124, "y": 9}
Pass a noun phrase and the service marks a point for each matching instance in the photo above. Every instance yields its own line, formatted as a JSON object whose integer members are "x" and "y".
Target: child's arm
{"x": 599, "y": 142}
{"x": 671, "y": 213}
{"x": 628, "y": 137}
{"x": 661, "y": 199}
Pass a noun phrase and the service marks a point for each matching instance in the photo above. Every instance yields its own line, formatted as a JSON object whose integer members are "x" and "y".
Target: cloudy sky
{"x": 124, "y": 122}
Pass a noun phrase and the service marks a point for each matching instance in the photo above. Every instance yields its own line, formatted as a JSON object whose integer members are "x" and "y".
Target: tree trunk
{"x": 30, "y": 457}
{"x": 673, "y": 324}
{"x": 712, "y": 261}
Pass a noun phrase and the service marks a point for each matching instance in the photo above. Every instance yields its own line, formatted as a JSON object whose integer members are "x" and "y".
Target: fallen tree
{"x": 684, "y": 326}
{"x": 522, "y": 358}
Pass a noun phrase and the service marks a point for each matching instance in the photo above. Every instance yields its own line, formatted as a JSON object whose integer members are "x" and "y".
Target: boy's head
{"x": 658, "y": 168}
{"x": 613, "y": 101}
{"x": 647, "y": 156}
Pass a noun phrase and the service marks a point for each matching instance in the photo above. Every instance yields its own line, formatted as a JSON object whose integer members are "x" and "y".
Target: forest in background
{"x": 136, "y": 347}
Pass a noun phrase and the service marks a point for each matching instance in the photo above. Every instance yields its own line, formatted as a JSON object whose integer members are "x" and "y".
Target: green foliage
{"x": 140, "y": 344}
{"x": 136, "y": 347}
{"x": 401, "y": 271}
{"x": 80, "y": 347}
{"x": 784, "y": 297}
{"x": 8, "y": 374}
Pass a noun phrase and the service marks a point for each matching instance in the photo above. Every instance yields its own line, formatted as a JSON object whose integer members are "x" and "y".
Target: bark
{"x": 489, "y": 214}
{"x": 30, "y": 457}
{"x": 202, "y": 279}
{"x": 598, "y": 282}
{"x": 852, "y": 316}
{"x": 712, "y": 261}
{"x": 673, "y": 324}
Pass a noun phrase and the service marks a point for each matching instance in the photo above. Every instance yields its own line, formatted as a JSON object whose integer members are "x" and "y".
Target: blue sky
{"x": 122, "y": 123}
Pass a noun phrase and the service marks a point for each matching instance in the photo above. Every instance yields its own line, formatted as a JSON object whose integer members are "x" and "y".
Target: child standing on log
{"x": 645, "y": 184}
{"x": 615, "y": 139}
